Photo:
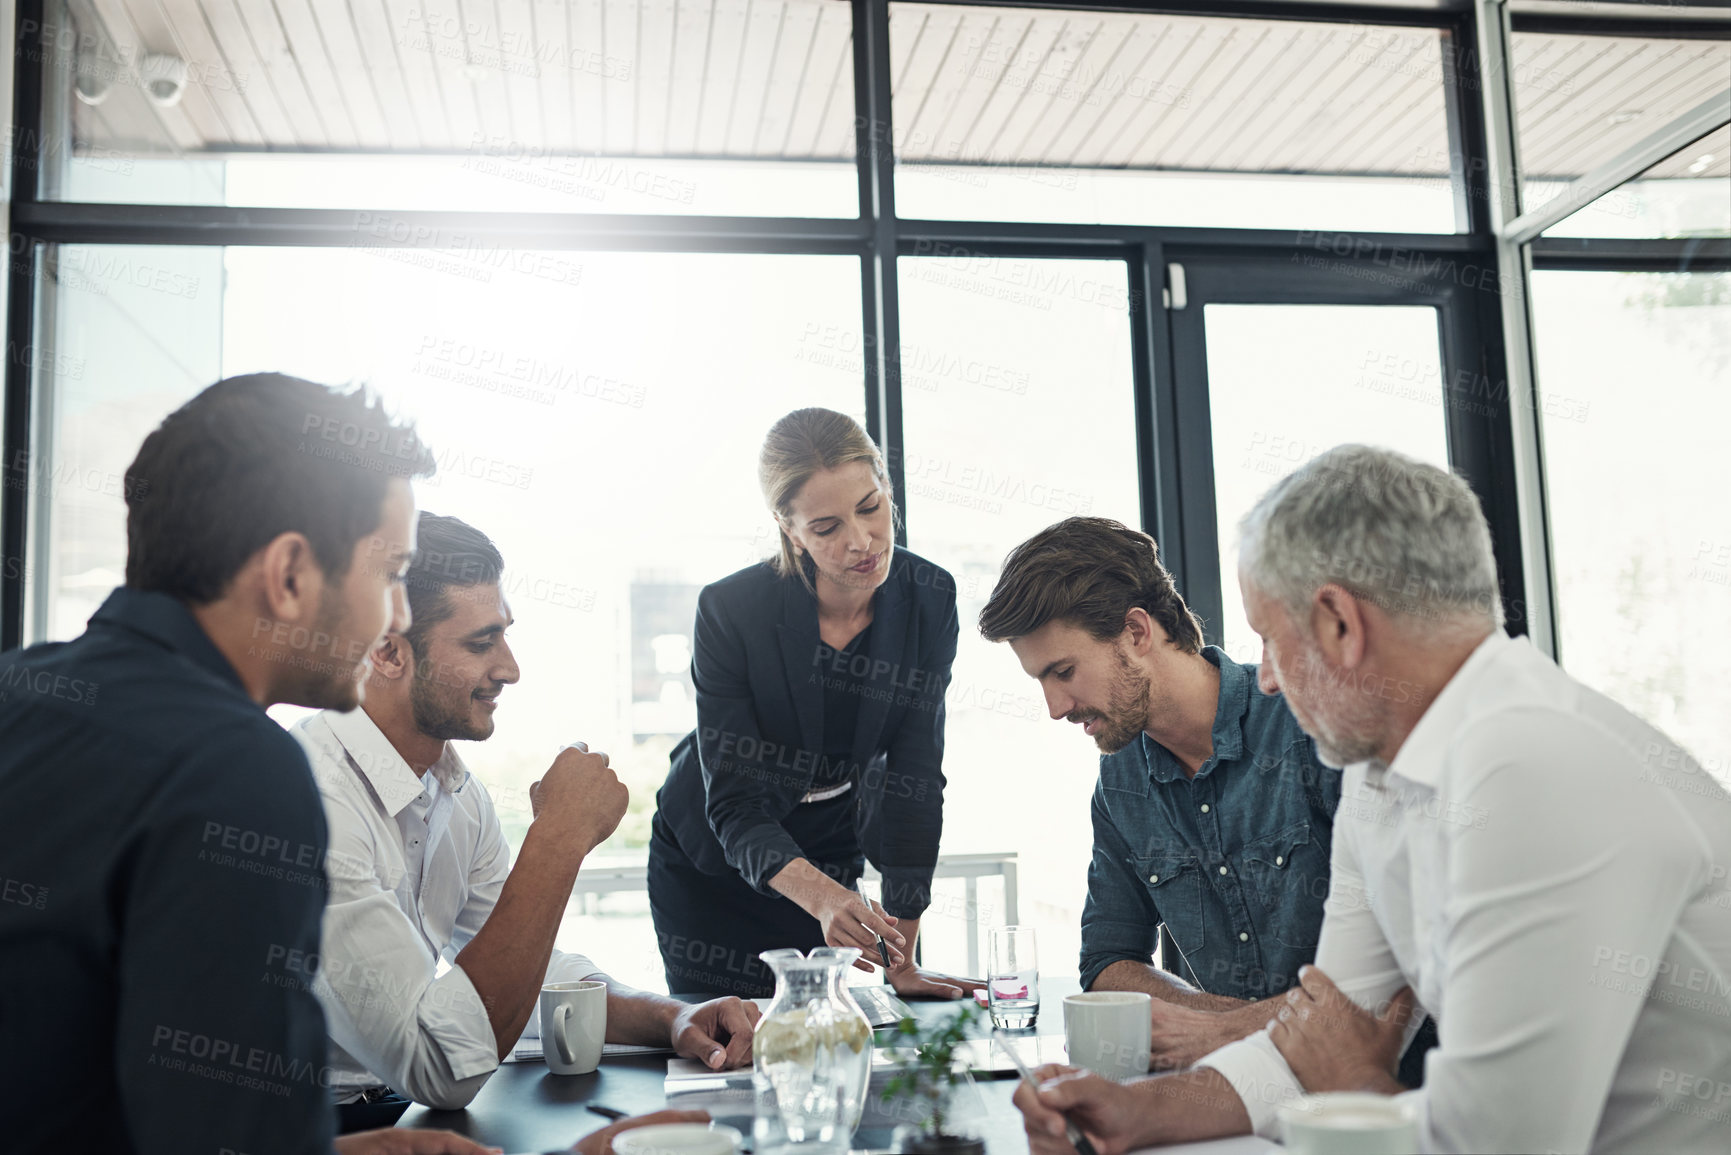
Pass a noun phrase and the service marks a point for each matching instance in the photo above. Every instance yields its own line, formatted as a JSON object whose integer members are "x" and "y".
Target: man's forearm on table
{"x": 1188, "y": 1107}
{"x": 507, "y": 959}
{"x": 641, "y": 1018}
{"x": 1129, "y": 975}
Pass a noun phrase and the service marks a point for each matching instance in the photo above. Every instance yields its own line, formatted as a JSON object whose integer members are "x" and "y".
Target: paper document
{"x": 681, "y": 1070}
{"x": 529, "y": 1051}
{"x": 1236, "y": 1145}
{"x": 528, "y": 1048}
{"x": 692, "y": 1086}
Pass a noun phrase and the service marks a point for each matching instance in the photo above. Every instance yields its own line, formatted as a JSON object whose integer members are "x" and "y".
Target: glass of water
{"x": 1013, "y": 979}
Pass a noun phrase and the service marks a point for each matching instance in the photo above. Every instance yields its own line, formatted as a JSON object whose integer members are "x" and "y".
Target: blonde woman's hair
{"x": 798, "y": 446}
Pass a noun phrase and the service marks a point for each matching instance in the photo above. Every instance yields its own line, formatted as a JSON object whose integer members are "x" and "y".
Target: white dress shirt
{"x": 415, "y": 866}
{"x": 1548, "y": 873}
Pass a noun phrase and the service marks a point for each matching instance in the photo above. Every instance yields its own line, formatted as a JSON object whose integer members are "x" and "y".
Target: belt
{"x": 828, "y": 792}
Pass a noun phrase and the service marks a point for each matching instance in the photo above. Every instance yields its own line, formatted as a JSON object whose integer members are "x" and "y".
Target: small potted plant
{"x": 931, "y": 1078}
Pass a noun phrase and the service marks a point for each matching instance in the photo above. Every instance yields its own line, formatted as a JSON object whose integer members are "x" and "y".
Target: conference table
{"x": 524, "y": 1108}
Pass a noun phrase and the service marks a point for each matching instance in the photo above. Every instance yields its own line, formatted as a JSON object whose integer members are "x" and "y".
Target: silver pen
{"x": 883, "y": 949}
{"x": 1072, "y": 1132}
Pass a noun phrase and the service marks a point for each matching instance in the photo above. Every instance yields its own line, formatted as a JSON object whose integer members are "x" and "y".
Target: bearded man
{"x": 420, "y": 870}
{"x": 1212, "y": 816}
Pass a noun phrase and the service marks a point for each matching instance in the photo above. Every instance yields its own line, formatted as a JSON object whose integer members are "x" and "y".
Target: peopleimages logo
{"x": 23, "y": 893}
{"x": 95, "y": 265}
{"x": 226, "y": 1061}
{"x": 47, "y": 684}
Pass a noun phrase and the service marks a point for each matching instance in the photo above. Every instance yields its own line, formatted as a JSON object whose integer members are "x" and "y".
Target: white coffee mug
{"x": 1349, "y": 1123}
{"x": 573, "y": 1026}
{"x": 1107, "y": 1032}
{"x": 678, "y": 1139}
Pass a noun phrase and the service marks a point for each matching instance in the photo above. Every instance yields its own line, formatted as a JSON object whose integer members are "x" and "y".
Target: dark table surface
{"x": 523, "y": 1108}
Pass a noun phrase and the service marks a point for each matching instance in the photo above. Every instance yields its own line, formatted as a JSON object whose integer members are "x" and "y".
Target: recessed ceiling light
{"x": 1702, "y": 161}
{"x": 1623, "y": 117}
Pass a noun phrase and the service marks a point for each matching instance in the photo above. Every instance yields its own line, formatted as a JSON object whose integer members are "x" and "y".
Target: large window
{"x": 662, "y": 246}
{"x": 1632, "y": 376}
{"x": 1286, "y": 382}
{"x": 597, "y": 415}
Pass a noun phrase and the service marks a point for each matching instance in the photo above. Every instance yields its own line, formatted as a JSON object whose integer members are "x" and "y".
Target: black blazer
{"x": 758, "y": 665}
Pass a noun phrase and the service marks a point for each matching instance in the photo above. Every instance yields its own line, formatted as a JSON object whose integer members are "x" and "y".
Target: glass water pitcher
{"x": 811, "y": 1055}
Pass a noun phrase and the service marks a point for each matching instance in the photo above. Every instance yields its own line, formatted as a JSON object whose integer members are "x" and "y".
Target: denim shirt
{"x": 1233, "y": 861}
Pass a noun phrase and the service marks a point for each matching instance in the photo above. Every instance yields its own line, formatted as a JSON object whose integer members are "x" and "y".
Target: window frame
{"x": 1490, "y": 451}
{"x": 1254, "y": 279}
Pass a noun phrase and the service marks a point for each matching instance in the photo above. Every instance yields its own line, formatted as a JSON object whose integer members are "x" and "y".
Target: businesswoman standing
{"x": 820, "y": 679}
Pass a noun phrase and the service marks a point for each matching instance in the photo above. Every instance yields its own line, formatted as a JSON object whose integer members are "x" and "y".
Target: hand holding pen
{"x": 847, "y": 918}
{"x": 883, "y": 950}
{"x": 1071, "y": 1132}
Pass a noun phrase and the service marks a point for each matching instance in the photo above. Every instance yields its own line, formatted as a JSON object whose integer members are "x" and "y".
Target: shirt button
{"x": 1153, "y": 878}
{"x": 1242, "y": 937}
{"x": 1280, "y": 860}
{"x": 1222, "y": 870}
{"x": 1205, "y": 808}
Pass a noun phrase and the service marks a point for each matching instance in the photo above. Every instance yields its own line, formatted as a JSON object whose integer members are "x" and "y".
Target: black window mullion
{"x": 1198, "y": 538}
{"x": 15, "y": 411}
{"x": 1156, "y": 416}
{"x": 1474, "y": 351}
{"x": 880, "y": 305}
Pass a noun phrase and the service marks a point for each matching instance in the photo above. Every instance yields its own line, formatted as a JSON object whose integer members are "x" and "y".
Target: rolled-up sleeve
{"x": 1119, "y": 921}
{"x": 489, "y": 869}
{"x": 746, "y": 793}
{"x": 566, "y": 967}
{"x": 426, "y": 1035}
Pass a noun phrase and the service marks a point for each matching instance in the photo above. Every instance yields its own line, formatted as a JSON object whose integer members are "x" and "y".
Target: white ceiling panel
{"x": 1581, "y": 100}
{"x": 774, "y": 78}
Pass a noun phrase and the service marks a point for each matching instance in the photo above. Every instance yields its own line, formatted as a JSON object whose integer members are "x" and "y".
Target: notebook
{"x": 881, "y": 1006}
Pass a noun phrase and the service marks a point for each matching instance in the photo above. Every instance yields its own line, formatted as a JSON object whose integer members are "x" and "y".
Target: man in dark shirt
{"x": 1212, "y": 816}
{"x": 162, "y": 840}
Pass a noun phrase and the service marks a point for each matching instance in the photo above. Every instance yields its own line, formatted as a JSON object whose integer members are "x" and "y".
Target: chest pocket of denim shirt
{"x": 1175, "y": 885}
{"x": 1290, "y": 876}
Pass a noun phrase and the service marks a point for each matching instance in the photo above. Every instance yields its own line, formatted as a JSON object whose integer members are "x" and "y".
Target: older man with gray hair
{"x": 1508, "y": 855}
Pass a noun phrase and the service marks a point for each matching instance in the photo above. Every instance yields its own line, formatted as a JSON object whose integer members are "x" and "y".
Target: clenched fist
{"x": 580, "y": 797}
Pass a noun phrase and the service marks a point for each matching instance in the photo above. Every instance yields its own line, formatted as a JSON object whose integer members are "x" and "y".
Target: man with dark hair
{"x": 1509, "y": 855}
{"x": 419, "y": 868}
{"x": 1212, "y": 816}
{"x": 166, "y": 832}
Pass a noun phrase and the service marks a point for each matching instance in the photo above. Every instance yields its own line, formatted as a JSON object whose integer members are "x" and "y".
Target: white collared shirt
{"x": 416, "y": 865}
{"x": 1548, "y": 873}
